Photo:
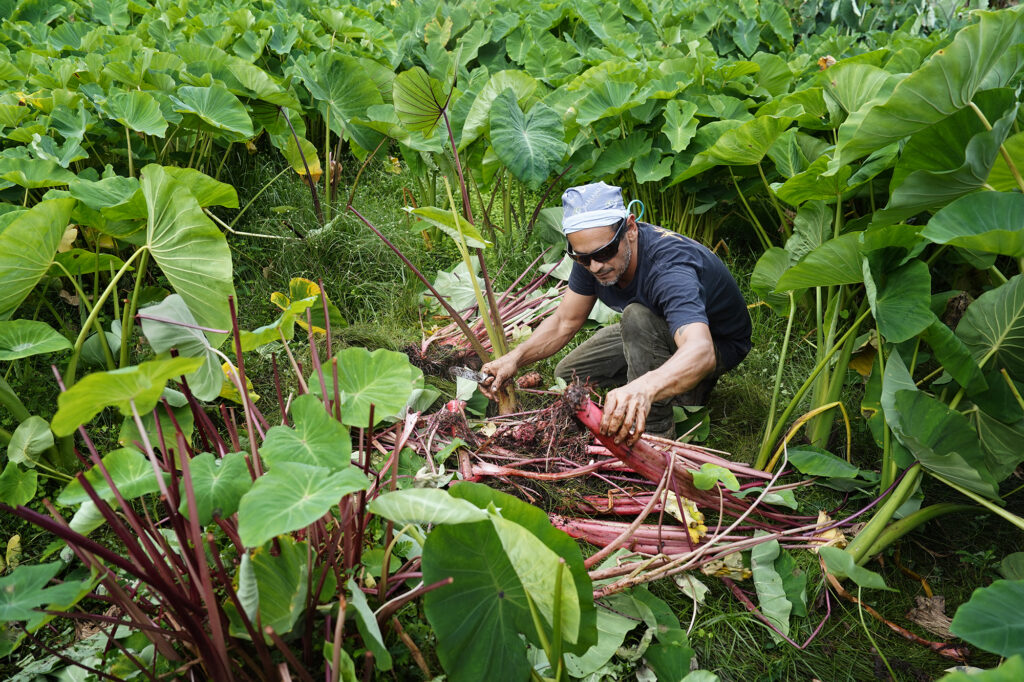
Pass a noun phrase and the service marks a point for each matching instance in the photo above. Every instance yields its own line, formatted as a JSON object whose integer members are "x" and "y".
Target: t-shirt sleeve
{"x": 581, "y": 281}
{"x": 677, "y": 290}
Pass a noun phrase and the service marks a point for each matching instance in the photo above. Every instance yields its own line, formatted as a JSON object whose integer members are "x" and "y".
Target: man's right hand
{"x": 498, "y": 371}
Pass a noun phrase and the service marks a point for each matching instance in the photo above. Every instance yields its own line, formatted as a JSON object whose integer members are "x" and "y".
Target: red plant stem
{"x": 205, "y": 583}
{"x": 641, "y": 457}
{"x": 288, "y": 655}
{"x": 277, "y": 389}
{"x": 475, "y": 342}
{"x": 391, "y": 607}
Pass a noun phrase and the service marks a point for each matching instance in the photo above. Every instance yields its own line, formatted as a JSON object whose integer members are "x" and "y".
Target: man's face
{"x": 592, "y": 239}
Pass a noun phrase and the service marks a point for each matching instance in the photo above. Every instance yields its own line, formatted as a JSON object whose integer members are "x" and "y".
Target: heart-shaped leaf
{"x": 27, "y": 248}
{"x": 141, "y": 384}
{"x": 993, "y": 618}
{"x": 530, "y": 144}
{"x": 137, "y": 110}
{"x": 30, "y": 439}
{"x": 315, "y": 438}
{"x": 299, "y": 494}
{"x": 192, "y": 253}
{"x": 218, "y": 483}
{"x": 24, "y": 338}
{"x": 130, "y": 470}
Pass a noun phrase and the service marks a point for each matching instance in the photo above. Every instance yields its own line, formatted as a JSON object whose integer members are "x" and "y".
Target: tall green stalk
{"x": 777, "y": 388}
{"x": 766, "y": 446}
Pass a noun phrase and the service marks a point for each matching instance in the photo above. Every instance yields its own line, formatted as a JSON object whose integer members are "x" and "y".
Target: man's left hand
{"x": 625, "y": 412}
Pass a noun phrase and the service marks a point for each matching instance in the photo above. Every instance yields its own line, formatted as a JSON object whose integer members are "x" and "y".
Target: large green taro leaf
{"x": 366, "y": 623}
{"x": 523, "y": 84}
{"x": 609, "y": 98}
{"x": 479, "y": 616}
{"x": 29, "y": 440}
{"x": 748, "y": 143}
{"x": 339, "y": 85}
{"x": 900, "y": 300}
{"x": 315, "y": 438}
{"x": 219, "y": 483}
{"x": 772, "y": 264}
{"x": 216, "y": 108}
{"x": 680, "y": 124}
{"x": 298, "y": 494}
{"x": 837, "y": 261}
{"x": 982, "y": 56}
{"x": 188, "y": 247}
{"x": 141, "y": 384}
{"x": 944, "y": 441}
{"x": 812, "y": 227}
{"x": 1001, "y": 178}
{"x": 816, "y": 182}
{"x": 282, "y": 582}
{"x": 949, "y": 159}
{"x": 205, "y": 382}
{"x": 984, "y": 221}
{"x": 954, "y": 356}
{"x": 27, "y": 248}
{"x": 383, "y": 378}
{"x": 420, "y": 100}
{"x": 771, "y": 595}
{"x": 17, "y": 486}
{"x": 426, "y": 505}
{"x": 529, "y": 144}
{"x": 993, "y": 328}
{"x": 24, "y": 338}
{"x": 25, "y": 590}
{"x": 138, "y": 111}
{"x": 34, "y": 173}
{"x": 536, "y": 522}
{"x": 130, "y": 470}
{"x": 993, "y": 619}
{"x": 849, "y": 86}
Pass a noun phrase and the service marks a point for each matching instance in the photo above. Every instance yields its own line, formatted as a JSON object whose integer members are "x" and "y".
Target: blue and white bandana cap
{"x": 594, "y": 205}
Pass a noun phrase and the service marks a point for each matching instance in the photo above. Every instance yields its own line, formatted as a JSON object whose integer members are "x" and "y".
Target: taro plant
{"x": 943, "y": 395}
{"x": 194, "y": 564}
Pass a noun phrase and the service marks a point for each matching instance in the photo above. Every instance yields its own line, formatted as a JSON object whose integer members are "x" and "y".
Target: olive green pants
{"x": 620, "y": 353}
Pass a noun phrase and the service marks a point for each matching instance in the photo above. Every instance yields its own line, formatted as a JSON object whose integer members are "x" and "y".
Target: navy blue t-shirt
{"x": 683, "y": 282}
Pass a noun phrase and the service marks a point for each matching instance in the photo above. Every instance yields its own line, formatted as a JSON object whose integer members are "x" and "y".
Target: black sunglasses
{"x": 601, "y": 255}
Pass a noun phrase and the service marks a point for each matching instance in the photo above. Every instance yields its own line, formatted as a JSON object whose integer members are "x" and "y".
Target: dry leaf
{"x": 68, "y": 240}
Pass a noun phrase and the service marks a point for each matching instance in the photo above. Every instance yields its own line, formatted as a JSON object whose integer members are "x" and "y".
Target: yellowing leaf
{"x": 829, "y": 538}
{"x": 689, "y": 515}
{"x": 70, "y": 235}
{"x": 229, "y": 391}
{"x": 729, "y": 567}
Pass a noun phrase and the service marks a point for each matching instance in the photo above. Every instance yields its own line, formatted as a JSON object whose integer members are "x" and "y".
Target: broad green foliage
{"x": 503, "y": 554}
{"x": 298, "y": 493}
{"x": 139, "y": 386}
{"x": 27, "y": 248}
{"x": 24, "y": 338}
{"x": 382, "y": 378}
{"x": 993, "y": 619}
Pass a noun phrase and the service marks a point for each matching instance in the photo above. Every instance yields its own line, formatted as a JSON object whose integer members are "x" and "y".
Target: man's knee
{"x": 639, "y": 319}
{"x": 565, "y": 370}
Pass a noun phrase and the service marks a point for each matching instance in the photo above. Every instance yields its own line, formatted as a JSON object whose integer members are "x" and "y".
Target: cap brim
{"x": 584, "y": 221}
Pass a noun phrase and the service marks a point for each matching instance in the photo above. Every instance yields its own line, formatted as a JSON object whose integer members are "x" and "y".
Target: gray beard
{"x": 629, "y": 257}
